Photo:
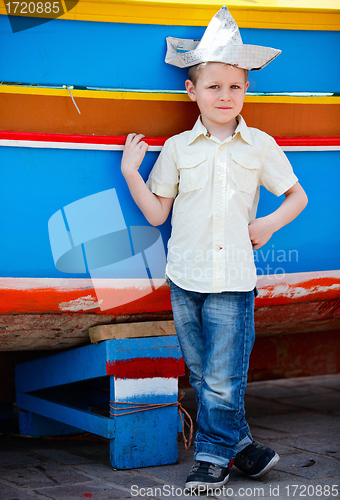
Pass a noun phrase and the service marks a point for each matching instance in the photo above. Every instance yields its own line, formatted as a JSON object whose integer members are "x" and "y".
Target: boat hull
{"x": 59, "y": 146}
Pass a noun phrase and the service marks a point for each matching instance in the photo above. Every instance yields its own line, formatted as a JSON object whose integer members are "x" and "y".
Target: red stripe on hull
{"x": 32, "y": 298}
{"x": 138, "y": 368}
{"x": 79, "y": 139}
{"x": 152, "y": 141}
{"x": 308, "y": 290}
{"x": 308, "y": 141}
{"x": 54, "y": 300}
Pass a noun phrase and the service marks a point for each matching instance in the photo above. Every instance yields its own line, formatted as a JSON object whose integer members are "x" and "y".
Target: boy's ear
{"x": 190, "y": 87}
{"x": 247, "y": 85}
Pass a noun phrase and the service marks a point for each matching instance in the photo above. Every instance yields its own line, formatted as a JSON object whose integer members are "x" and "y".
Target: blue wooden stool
{"x": 59, "y": 392}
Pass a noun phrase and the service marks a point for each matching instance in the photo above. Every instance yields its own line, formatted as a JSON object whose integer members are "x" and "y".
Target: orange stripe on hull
{"x": 51, "y": 114}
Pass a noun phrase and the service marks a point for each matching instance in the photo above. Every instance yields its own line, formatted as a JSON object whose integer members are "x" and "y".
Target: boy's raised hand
{"x": 155, "y": 208}
{"x": 133, "y": 154}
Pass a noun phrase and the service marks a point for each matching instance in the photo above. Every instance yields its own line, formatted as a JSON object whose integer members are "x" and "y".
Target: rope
{"x": 69, "y": 87}
{"x": 138, "y": 407}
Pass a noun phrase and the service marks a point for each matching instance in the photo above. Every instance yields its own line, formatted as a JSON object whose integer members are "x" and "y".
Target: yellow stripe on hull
{"x": 267, "y": 14}
{"x": 163, "y": 96}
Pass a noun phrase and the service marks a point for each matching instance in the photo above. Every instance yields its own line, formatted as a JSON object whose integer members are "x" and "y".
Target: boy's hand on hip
{"x": 260, "y": 231}
{"x": 133, "y": 154}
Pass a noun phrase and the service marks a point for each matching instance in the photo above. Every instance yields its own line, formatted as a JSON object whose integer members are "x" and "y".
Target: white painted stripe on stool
{"x": 126, "y": 389}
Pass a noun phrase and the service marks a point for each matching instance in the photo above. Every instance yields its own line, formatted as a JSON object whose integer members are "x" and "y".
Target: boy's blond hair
{"x": 194, "y": 71}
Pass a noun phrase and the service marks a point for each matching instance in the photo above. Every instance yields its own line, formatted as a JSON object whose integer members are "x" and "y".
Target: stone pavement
{"x": 299, "y": 418}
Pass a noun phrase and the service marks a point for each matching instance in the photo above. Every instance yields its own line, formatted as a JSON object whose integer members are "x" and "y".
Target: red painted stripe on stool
{"x": 137, "y": 368}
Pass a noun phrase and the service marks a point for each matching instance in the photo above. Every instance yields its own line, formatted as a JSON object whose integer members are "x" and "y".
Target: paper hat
{"x": 221, "y": 42}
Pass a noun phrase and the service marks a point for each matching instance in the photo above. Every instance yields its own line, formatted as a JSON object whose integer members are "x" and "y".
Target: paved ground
{"x": 299, "y": 418}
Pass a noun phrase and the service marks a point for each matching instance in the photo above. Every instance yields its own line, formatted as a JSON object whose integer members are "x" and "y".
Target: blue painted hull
{"x": 97, "y": 54}
{"x": 35, "y": 183}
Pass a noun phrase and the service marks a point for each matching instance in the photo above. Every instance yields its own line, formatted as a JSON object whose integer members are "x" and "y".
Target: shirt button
{"x": 220, "y": 179}
{"x": 247, "y": 162}
{"x": 189, "y": 162}
{"x": 218, "y": 214}
{"x": 220, "y": 148}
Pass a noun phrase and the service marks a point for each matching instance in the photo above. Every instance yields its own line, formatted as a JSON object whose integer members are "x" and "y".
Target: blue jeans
{"x": 216, "y": 334}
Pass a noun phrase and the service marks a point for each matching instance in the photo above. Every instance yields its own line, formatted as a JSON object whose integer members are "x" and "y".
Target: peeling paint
{"x": 294, "y": 292}
{"x": 43, "y": 313}
{"x": 81, "y": 304}
{"x": 45, "y": 283}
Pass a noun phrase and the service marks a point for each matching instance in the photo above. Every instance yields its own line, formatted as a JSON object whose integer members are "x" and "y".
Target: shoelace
{"x": 206, "y": 468}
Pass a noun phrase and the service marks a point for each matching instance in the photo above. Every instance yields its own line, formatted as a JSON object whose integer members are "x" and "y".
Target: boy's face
{"x": 219, "y": 93}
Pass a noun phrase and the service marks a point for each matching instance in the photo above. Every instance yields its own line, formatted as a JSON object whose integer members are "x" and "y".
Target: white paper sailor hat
{"x": 221, "y": 42}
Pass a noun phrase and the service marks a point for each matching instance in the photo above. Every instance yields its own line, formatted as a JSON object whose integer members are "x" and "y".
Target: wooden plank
{"x": 75, "y": 365}
{"x": 74, "y": 417}
{"x": 132, "y": 330}
{"x": 32, "y": 424}
{"x": 29, "y": 332}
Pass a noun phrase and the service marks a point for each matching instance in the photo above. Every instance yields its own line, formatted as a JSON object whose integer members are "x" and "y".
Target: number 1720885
{"x": 302, "y": 490}
{"x": 33, "y": 8}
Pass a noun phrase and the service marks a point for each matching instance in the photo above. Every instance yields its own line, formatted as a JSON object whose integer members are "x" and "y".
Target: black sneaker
{"x": 256, "y": 460}
{"x": 205, "y": 475}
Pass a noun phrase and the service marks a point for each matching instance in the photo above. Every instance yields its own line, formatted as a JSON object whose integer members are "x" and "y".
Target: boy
{"x": 211, "y": 176}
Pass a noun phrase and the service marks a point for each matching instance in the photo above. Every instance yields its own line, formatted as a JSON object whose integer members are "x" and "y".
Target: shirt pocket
{"x": 193, "y": 171}
{"x": 244, "y": 171}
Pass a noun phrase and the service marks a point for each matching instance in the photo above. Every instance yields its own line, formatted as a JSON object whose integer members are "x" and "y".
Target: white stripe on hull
{"x": 114, "y": 147}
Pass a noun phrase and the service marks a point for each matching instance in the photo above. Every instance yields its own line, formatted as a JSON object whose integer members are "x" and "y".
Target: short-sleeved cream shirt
{"x": 216, "y": 189}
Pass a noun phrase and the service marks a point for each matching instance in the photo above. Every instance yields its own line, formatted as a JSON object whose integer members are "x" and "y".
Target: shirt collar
{"x": 243, "y": 130}
{"x": 199, "y": 129}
